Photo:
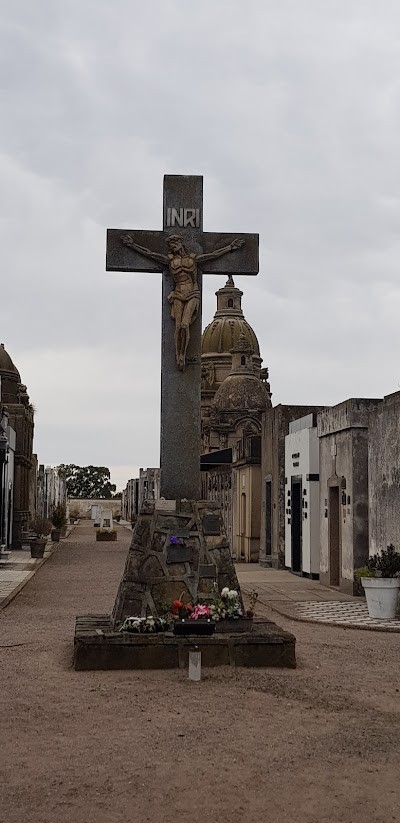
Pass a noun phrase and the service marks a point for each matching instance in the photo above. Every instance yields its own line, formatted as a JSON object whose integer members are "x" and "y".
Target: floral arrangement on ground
{"x": 144, "y": 625}
{"x": 225, "y": 606}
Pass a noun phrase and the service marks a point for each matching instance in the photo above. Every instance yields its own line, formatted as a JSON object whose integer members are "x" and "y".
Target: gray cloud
{"x": 290, "y": 110}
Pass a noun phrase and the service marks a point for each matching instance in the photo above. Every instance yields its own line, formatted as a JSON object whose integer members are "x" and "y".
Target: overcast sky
{"x": 290, "y": 110}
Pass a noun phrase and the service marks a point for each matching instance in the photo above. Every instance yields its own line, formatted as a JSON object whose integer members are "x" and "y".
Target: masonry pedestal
{"x": 157, "y": 572}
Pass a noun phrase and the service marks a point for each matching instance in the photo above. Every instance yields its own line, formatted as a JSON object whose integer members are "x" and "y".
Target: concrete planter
{"x": 382, "y": 596}
{"x": 38, "y": 547}
{"x": 55, "y": 535}
{"x": 106, "y": 537}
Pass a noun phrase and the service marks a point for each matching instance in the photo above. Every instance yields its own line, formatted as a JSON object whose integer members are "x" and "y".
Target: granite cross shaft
{"x": 181, "y": 388}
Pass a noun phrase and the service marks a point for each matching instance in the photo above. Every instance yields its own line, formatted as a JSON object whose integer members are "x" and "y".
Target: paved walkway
{"x": 19, "y": 568}
{"x": 306, "y": 600}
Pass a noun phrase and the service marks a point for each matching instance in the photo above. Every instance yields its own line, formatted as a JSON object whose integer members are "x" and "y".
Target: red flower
{"x": 189, "y": 607}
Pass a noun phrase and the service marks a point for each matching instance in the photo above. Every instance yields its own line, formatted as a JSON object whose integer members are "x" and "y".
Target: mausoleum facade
{"x": 235, "y": 394}
{"x": 15, "y": 400}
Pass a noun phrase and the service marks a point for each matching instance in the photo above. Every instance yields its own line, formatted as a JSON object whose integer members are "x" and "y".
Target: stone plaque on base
{"x": 178, "y": 554}
{"x": 208, "y": 571}
{"x": 211, "y": 525}
{"x": 165, "y": 505}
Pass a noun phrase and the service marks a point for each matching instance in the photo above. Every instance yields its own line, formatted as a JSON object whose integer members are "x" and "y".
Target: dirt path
{"x": 317, "y": 744}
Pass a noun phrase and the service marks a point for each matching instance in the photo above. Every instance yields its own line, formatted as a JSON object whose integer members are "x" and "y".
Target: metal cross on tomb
{"x": 182, "y": 252}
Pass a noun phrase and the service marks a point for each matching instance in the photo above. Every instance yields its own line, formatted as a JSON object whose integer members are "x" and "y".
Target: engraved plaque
{"x": 178, "y": 554}
{"x": 211, "y": 524}
{"x": 208, "y": 571}
{"x": 165, "y": 505}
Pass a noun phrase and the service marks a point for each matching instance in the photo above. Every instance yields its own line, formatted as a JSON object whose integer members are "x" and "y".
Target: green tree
{"x": 91, "y": 482}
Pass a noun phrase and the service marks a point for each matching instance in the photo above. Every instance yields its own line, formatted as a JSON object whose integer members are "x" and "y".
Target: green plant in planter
{"x": 42, "y": 527}
{"x": 363, "y": 572}
{"x": 386, "y": 564}
{"x": 59, "y": 516}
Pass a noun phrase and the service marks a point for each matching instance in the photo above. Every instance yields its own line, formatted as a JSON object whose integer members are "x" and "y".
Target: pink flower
{"x": 200, "y": 611}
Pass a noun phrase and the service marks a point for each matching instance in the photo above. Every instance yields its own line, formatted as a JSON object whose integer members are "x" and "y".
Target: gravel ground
{"x": 319, "y": 743}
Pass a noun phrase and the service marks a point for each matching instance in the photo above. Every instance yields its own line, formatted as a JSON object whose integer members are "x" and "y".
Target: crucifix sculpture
{"x": 183, "y": 252}
{"x": 182, "y": 265}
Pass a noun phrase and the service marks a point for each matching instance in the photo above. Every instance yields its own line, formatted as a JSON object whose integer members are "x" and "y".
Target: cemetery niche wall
{"x": 14, "y": 400}
{"x": 343, "y": 432}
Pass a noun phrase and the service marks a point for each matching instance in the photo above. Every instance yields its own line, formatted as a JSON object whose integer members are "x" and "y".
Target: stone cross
{"x": 182, "y": 252}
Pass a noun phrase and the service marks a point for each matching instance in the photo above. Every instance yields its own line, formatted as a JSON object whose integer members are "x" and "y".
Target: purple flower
{"x": 174, "y": 540}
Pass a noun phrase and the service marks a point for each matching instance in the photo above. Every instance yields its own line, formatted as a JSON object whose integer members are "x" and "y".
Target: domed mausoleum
{"x": 242, "y": 391}
{"x": 223, "y": 333}
{"x": 228, "y": 384}
{"x": 235, "y": 394}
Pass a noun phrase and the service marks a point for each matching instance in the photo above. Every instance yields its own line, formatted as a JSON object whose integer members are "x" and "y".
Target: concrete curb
{"x": 7, "y": 600}
{"x": 299, "y": 619}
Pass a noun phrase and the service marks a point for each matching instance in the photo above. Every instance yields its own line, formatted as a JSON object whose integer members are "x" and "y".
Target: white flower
{"x": 232, "y": 594}
{"x": 225, "y": 592}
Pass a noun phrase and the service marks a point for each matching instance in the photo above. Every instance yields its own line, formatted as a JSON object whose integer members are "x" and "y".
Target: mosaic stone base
{"x": 157, "y": 572}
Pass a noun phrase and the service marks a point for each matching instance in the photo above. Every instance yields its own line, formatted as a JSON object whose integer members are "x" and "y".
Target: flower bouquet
{"x": 144, "y": 625}
{"x": 227, "y": 611}
{"x": 189, "y": 619}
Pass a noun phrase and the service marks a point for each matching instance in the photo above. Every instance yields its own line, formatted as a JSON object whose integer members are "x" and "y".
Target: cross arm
{"x": 128, "y": 240}
{"x": 229, "y": 253}
{"x": 141, "y": 251}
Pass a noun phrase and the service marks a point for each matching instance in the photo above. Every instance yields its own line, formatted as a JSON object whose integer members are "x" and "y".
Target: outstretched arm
{"x": 154, "y": 255}
{"x": 212, "y": 255}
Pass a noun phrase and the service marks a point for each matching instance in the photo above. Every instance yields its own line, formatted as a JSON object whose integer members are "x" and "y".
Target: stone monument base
{"x": 98, "y": 646}
{"x": 179, "y": 550}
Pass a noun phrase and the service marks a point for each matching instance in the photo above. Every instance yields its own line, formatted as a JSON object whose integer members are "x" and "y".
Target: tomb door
{"x": 334, "y": 537}
{"x": 9, "y": 518}
{"x": 243, "y": 527}
{"x": 296, "y": 523}
{"x": 268, "y": 517}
